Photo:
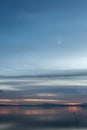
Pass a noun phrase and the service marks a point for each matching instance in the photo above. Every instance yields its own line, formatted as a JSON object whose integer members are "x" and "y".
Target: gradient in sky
{"x": 43, "y": 49}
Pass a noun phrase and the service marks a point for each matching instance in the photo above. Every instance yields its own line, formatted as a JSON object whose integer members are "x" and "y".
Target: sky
{"x": 43, "y": 52}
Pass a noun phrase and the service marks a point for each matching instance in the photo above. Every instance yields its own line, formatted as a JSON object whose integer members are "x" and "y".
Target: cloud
{"x": 65, "y": 86}
{"x": 46, "y": 94}
{"x": 55, "y": 74}
{"x": 1, "y": 91}
{"x": 7, "y": 87}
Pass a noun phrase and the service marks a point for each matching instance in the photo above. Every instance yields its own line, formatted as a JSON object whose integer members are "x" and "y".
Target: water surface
{"x": 38, "y": 118}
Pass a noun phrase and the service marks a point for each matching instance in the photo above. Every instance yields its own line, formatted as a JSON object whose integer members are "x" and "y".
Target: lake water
{"x": 37, "y": 118}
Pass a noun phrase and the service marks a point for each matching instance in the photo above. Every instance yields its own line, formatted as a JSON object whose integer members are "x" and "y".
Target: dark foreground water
{"x": 36, "y": 118}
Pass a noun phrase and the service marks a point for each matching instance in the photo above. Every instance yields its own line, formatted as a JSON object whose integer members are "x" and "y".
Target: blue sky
{"x": 43, "y": 37}
{"x": 30, "y": 31}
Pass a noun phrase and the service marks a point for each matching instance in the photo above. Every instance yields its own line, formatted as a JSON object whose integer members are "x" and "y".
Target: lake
{"x": 38, "y": 118}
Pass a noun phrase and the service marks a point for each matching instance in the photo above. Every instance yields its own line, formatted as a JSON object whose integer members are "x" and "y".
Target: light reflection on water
{"x": 35, "y": 118}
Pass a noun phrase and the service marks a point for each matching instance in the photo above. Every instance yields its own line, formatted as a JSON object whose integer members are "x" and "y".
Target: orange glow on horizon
{"x": 74, "y": 103}
{"x": 18, "y": 101}
{"x": 30, "y": 100}
{"x": 41, "y": 100}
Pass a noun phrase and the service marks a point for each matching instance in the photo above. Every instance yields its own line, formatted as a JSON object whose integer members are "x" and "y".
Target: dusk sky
{"x": 43, "y": 51}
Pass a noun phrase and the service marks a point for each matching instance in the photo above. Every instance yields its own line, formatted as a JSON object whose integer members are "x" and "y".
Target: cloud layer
{"x": 64, "y": 87}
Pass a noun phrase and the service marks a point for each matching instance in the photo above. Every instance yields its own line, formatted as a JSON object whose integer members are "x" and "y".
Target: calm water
{"x": 31, "y": 118}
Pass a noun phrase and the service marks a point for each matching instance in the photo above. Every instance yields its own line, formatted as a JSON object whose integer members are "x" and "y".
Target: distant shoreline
{"x": 43, "y": 105}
